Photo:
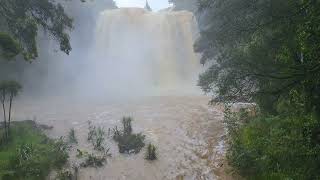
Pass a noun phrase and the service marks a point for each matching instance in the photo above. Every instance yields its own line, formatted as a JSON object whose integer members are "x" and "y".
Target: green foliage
{"x": 261, "y": 51}
{"x": 151, "y": 153}
{"x": 8, "y": 90}
{"x": 96, "y": 136}
{"x": 94, "y": 161}
{"x": 266, "y": 52}
{"x": 30, "y": 154}
{"x": 72, "y": 137}
{"x": 274, "y": 147}
{"x": 9, "y": 47}
{"x": 127, "y": 141}
{"x": 22, "y": 20}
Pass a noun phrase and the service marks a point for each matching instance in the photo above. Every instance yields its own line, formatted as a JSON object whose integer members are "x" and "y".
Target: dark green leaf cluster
{"x": 128, "y": 142}
{"x": 10, "y": 88}
{"x": 151, "y": 153}
{"x": 274, "y": 147}
{"x": 22, "y": 19}
{"x": 8, "y": 46}
{"x": 261, "y": 51}
{"x": 266, "y": 52}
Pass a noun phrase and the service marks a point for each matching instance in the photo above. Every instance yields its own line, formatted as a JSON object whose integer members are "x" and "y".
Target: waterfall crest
{"x": 150, "y": 53}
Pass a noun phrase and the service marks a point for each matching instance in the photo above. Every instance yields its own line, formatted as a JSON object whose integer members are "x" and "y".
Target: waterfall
{"x": 141, "y": 52}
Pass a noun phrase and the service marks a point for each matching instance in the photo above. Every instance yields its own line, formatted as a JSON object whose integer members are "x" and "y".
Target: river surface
{"x": 186, "y": 130}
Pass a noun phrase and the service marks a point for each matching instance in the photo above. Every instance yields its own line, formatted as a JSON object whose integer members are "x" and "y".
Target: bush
{"x": 30, "y": 154}
{"x": 151, "y": 153}
{"x": 274, "y": 147}
{"x": 127, "y": 141}
{"x": 94, "y": 161}
{"x": 96, "y": 136}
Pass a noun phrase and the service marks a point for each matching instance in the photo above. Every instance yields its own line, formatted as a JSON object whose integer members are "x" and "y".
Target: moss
{"x": 30, "y": 154}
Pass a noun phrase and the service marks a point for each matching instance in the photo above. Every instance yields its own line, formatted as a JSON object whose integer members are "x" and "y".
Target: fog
{"x": 126, "y": 52}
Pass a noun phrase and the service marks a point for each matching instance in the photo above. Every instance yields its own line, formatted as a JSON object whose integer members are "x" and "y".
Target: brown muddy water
{"x": 188, "y": 133}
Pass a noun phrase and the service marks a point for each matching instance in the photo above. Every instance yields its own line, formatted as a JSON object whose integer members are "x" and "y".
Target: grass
{"x": 96, "y": 136}
{"x": 30, "y": 154}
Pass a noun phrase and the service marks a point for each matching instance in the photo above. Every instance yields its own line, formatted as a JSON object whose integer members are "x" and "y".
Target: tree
{"x": 267, "y": 52}
{"x": 9, "y": 47}
{"x": 147, "y": 6}
{"x": 261, "y": 51}
{"x": 20, "y": 22}
{"x": 9, "y": 90}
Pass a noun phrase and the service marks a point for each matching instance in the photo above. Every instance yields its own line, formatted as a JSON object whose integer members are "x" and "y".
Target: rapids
{"x": 187, "y": 132}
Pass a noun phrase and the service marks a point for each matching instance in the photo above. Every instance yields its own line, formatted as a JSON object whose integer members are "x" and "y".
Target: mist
{"x": 119, "y": 53}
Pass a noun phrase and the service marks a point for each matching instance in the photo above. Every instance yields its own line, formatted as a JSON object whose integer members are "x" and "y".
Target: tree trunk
{"x": 4, "y": 114}
{"x": 9, "y": 119}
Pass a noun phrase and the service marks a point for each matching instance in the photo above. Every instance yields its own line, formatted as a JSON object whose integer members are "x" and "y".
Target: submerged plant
{"x": 94, "y": 161}
{"x": 96, "y": 136}
{"x": 151, "y": 152}
{"x": 127, "y": 141}
{"x": 72, "y": 137}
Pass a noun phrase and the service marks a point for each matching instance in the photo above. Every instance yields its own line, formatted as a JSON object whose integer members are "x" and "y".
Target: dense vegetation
{"x": 267, "y": 52}
{"x": 30, "y": 154}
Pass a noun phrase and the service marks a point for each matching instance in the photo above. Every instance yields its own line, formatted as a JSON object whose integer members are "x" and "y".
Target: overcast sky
{"x": 155, "y": 4}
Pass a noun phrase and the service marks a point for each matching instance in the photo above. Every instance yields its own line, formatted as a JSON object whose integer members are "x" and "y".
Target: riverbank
{"x": 29, "y": 153}
{"x": 188, "y": 132}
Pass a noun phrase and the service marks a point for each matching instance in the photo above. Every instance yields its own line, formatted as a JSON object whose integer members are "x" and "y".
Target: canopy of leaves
{"x": 21, "y": 19}
{"x": 10, "y": 87}
{"x": 9, "y": 47}
{"x": 261, "y": 50}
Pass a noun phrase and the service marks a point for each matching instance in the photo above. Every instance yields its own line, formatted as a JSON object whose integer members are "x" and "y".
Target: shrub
{"x": 30, "y": 154}
{"x": 151, "y": 152}
{"x": 93, "y": 161}
{"x": 72, "y": 137}
{"x": 127, "y": 141}
{"x": 274, "y": 147}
